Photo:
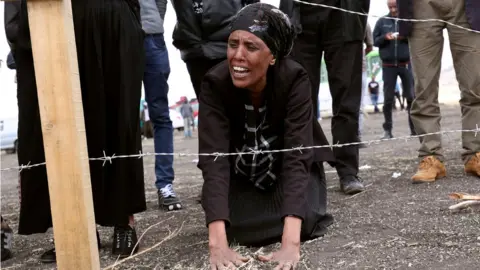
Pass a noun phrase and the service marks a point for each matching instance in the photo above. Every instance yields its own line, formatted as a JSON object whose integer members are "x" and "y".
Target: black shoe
{"x": 387, "y": 135}
{"x": 168, "y": 200}
{"x": 351, "y": 185}
{"x": 50, "y": 256}
{"x": 6, "y": 238}
{"x": 124, "y": 241}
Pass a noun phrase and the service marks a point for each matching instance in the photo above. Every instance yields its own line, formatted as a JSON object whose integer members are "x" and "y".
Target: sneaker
{"x": 429, "y": 170}
{"x": 6, "y": 238}
{"x": 50, "y": 256}
{"x": 473, "y": 165}
{"x": 124, "y": 241}
{"x": 167, "y": 199}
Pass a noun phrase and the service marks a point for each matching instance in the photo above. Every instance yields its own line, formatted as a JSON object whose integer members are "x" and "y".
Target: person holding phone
{"x": 395, "y": 55}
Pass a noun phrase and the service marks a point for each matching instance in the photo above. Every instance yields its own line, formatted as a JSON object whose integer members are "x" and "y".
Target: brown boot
{"x": 430, "y": 169}
{"x": 473, "y": 165}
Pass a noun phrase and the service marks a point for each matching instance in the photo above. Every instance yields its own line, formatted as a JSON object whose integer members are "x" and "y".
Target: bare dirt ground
{"x": 393, "y": 225}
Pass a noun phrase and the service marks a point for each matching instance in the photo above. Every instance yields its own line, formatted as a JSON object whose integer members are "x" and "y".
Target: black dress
{"x": 236, "y": 189}
{"x": 109, "y": 39}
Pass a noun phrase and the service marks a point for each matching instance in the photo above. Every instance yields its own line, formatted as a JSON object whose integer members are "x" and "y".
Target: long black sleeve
{"x": 298, "y": 132}
{"x": 213, "y": 136}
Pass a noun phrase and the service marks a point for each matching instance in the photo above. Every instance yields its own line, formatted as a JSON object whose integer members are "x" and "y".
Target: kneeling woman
{"x": 257, "y": 102}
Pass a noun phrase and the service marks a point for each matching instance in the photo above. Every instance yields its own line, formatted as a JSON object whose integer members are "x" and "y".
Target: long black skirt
{"x": 109, "y": 41}
{"x": 255, "y": 217}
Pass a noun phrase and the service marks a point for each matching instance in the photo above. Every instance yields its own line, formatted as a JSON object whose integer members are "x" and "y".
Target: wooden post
{"x": 63, "y": 127}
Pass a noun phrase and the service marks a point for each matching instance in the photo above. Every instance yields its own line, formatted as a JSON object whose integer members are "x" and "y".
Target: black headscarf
{"x": 269, "y": 24}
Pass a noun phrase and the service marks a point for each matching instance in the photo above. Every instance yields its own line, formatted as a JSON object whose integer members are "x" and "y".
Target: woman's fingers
{"x": 265, "y": 258}
{"x": 285, "y": 266}
{"x": 229, "y": 265}
{"x": 242, "y": 259}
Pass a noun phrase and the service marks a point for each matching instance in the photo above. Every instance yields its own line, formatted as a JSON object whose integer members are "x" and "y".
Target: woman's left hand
{"x": 287, "y": 257}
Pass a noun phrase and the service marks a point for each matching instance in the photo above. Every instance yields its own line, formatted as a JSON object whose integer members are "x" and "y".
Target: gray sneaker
{"x": 168, "y": 200}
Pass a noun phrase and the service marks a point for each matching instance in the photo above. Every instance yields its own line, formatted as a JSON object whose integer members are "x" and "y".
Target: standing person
{"x": 395, "y": 56}
{"x": 111, "y": 91}
{"x": 187, "y": 113}
{"x": 340, "y": 36}
{"x": 201, "y": 33}
{"x": 155, "y": 80}
{"x": 373, "y": 87}
{"x": 368, "y": 48}
{"x": 426, "y": 44}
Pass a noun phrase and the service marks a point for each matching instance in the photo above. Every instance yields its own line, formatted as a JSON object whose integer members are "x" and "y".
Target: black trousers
{"x": 322, "y": 35}
{"x": 197, "y": 68}
{"x": 390, "y": 75}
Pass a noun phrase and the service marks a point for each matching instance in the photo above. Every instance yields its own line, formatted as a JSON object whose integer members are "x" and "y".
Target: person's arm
{"x": 162, "y": 7}
{"x": 379, "y": 37}
{"x": 214, "y": 137}
{"x": 368, "y": 39}
{"x": 11, "y": 17}
{"x": 296, "y": 164}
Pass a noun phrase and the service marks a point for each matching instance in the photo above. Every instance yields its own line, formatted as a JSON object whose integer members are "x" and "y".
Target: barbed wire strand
{"x": 109, "y": 159}
{"x": 387, "y": 17}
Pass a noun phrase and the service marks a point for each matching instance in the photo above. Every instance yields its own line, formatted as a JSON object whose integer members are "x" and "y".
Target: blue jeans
{"x": 155, "y": 78}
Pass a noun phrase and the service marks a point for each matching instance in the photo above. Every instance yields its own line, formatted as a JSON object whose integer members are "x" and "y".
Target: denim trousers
{"x": 155, "y": 79}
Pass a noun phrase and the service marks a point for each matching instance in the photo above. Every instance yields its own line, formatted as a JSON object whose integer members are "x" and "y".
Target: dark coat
{"x": 391, "y": 51}
{"x": 354, "y": 25}
{"x": 11, "y": 16}
{"x": 221, "y": 129}
{"x": 205, "y": 38}
{"x": 405, "y": 11}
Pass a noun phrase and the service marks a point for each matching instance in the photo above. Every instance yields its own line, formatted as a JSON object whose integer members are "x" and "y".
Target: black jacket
{"x": 205, "y": 38}
{"x": 354, "y": 25}
{"x": 391, "y": 51}
{"x": 11, "y": 16}
{"x": 222, "y": 124}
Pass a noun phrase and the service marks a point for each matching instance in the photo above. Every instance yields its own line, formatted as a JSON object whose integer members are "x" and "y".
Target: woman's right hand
{"x": 221, "y": 255}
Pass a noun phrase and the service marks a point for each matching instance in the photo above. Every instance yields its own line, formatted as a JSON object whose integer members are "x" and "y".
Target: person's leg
{"x": 186, "y": 127}
{"x": 362, "y": 103}
{"x": 197, "y": 68}
{"x": 307, "y": 49}
{"x": 157, "y": 71}
{"x": 465, "y": 48}
{"x": 406, "y": 77}
{"x": 389, "y": 83}
{"x": 426, "y": 47}
{"x": 344, "y": 65}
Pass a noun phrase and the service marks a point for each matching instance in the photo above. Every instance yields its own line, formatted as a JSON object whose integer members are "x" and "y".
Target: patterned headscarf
{"x": 269, "y": 24}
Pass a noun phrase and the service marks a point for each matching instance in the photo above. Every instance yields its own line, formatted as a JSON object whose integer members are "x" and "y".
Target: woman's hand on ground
{"x": 287, "y": 257}
{"x": 223, "y": 257}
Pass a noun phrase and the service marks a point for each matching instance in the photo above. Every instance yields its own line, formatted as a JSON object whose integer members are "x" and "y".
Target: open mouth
{"x": 240, "y": 71}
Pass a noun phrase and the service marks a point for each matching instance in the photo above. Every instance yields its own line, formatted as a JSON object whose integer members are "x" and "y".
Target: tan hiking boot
{"x": 430, "y": 169}
{"x": 473, "y": 165}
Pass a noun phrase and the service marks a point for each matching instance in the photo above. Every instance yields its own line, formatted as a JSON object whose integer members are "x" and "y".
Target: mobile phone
{"x": 395, "y": 35}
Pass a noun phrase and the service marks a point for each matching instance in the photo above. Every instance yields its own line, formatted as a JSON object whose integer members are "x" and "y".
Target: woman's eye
{"x": 251, "y": 48}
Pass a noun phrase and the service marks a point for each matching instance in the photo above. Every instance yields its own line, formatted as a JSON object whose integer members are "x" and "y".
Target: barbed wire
{"x": 387, "y": 17}
{"x": 140, "y": 155}
{"x": 363, "y": 14}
